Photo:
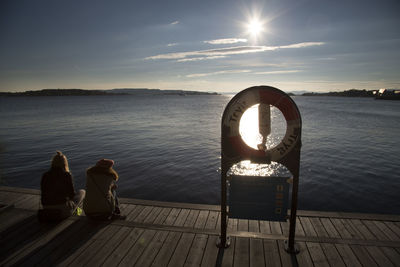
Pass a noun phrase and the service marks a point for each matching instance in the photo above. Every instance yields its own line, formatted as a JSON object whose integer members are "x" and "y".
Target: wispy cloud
{"x": 231, "y": 51}
{"x": 216, "y": 73}
{"x": 277, "y": 72}
{"x": 172, "y": 44}
{"x": 226, "y": 41}
{"x": 199, "y": 58}
{"x": 174, "y": 23}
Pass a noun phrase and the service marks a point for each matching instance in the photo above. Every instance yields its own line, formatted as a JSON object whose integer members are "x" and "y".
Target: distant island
{"x": 347, "y": 93}
{"x": 117, "y": 91}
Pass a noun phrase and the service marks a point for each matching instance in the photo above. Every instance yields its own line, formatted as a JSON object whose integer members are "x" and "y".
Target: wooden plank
{"x": 303, "y": 258}
{"x": 170, "y": 220}
{"x": 386, "y": 230}
{"x": 20, "y": 234}
{"x": 351, "y": 229}
{"x": 243, "y": 225}
{"x": 218, "y": 225}
{"x": 285, "y": 228}
{"x": 27, "y": 250}
{"x": 379, "y": 256}
{"x": 191, "y": 218}
{"x": 265, "y": 227}
{"x": 362, "y": 229}
{"x": 228, "y": 253}
{"x": 232, "y": 224}
{"x": 241, "y": 254}
{"x": 211, "y": 220}
{"x": 276, "y": 228}
{"x": 347, "y": 255}
{"x": 9, "y": 218}
{"x": 375, "y": 230}
{"x": 340, "y": 228}
{"x": 271, "y": 253}
{"x": 392, "y": 255}
{"x": 211, "y": 252}
{"x": 76, "y": 239}
{"x": 32, "y": 203}
{"x": 197, "y": 250}
{"x": 180, "y": 220}
{"x": 254, "y": 226}
{"x": 132, "y": 216}
{"x": 318, "y": 227}
{"x": 201, "y": 219}
{"x": 47, "y": 250}
{"x": 79, "y": 247}
{"x": 256, "y": 252}
{"x": 317, "y": 254}
{"x": 299, "y": 228}
{"x": 167, "y": 249}
{"x": 181, "y": 250}
{"x": 286, "y": 258}
{"x": 106, "y": 247}
{"x": 18, "y": 199}
{"x": 332, "y": 255}
{"x": 137, "y": 249}
{"x": 307, "y": 226}
{"x": 162, "y": 216}
{"x": 363, "y": 255}
{"x": 99, "y": 242}
{"x": 153, "y": 215}
{"x": 330, "y": 229}
{"x": 123, "y": 247}
{"x": 128, "y": 209}
{"x": 152, "y": 249}
{"x": 144, "y": 213}
{"x": 394, "y": 228}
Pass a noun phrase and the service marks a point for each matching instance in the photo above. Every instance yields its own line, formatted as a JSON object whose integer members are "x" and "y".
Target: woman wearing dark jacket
{"x": 58, "y": 192}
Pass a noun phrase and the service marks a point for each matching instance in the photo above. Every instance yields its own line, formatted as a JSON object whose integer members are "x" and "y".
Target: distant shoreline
{"x": 107, "y": 92}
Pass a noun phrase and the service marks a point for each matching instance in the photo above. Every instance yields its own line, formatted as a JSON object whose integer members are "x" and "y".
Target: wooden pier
{"x": 181, "y": 234}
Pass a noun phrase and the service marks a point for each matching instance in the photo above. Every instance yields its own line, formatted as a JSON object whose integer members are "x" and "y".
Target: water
{"x": 168, "y": 147}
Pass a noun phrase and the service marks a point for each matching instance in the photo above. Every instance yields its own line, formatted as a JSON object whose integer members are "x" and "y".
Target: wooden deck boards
{"x": 182, "y": 234}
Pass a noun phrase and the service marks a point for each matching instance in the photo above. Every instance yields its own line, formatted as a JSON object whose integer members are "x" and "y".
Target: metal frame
{"x": 229, "y": 157}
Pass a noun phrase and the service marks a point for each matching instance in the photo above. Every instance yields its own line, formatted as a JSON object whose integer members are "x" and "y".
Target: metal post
{"x": 223, "y": 241}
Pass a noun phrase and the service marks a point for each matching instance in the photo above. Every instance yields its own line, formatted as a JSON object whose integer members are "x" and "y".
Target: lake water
{"x": 168, "y": 147}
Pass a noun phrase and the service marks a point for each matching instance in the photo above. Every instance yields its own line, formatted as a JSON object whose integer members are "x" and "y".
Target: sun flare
{"x": 255, "y": 27}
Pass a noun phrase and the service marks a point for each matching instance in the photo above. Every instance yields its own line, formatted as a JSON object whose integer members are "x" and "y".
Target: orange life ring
{"x": 256, "y": 95}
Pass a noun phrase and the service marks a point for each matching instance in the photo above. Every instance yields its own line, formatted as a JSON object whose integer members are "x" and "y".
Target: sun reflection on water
{"x": 251, "y": 169}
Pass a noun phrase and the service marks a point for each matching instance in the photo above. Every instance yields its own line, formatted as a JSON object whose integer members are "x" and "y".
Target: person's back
{"x": 58, "y": 196}
{"x": 101, "y": 201}
{"x": 56, "y": 187}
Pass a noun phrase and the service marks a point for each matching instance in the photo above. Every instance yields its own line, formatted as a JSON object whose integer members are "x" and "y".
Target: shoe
{"x": 117, "y": 210}
{"x": 118, "y": 217}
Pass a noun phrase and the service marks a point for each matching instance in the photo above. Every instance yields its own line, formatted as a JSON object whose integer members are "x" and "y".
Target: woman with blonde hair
{"x": 59, "y": 198}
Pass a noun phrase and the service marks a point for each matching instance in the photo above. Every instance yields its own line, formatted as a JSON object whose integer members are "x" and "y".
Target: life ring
{"x": 239, "y": 104}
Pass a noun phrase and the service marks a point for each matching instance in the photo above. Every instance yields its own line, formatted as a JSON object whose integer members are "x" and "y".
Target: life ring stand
{"x": 248, "y": 98}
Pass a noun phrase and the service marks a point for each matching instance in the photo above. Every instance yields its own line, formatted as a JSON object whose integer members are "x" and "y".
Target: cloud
{"x": 216, "y": 73}
{"x": 174, "y": 23}
{"x": 231, "y": 51}
{"x": 172, "y": 44}
{"x": 226, "y": 41}
{"x": 199, "y": 58}
{"x": 277, "y": 72}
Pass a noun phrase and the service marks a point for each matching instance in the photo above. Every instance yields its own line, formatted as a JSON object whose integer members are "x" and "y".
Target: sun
{"x": 255, "y": 27}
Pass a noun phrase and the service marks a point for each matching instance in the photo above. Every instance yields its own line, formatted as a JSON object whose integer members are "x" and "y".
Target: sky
{"x": 208, "y": 45}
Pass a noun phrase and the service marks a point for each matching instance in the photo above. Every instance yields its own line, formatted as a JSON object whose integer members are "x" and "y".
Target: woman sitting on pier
{"x": 101, "y": 202}
{"x": 59, "y": 198}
